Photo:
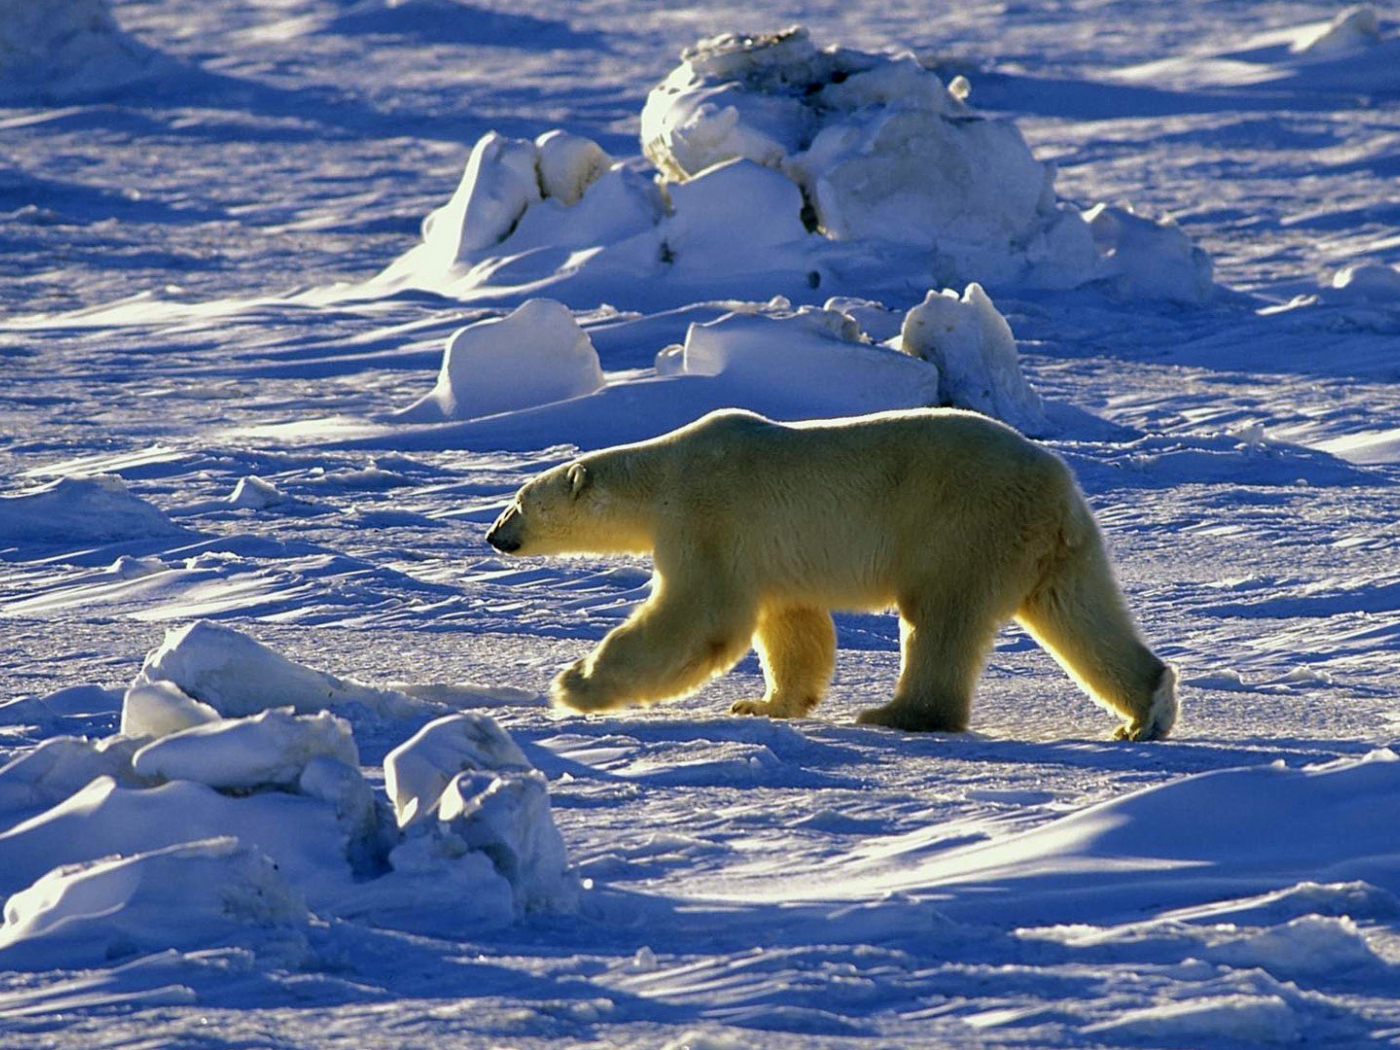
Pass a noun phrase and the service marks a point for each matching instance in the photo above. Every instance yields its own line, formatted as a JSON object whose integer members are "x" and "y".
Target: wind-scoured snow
{"x": 296, "y": 296}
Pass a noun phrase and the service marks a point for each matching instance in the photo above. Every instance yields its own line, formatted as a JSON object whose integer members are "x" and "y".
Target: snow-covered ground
{"x": 275, "y": 764}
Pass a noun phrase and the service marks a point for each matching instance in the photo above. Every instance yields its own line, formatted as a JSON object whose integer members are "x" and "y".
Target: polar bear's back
{"x": 846, "y": 508}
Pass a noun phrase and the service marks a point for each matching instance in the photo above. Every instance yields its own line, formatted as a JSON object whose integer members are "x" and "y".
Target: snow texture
{"x": 333, "y": 809}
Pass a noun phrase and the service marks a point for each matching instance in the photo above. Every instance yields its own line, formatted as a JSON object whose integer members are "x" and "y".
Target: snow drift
{"x": 829, "y": 168}
{"x": 59, "y": 49}
{"x": 241, "y": 808}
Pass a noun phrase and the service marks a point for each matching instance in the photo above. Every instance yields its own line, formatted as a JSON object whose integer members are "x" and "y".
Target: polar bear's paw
{"x": 574, "y": 689}
{"x": 751, "y": 707}
{"x": 776, "y": 708}
{"x": 896, "y": 715}
{"x": 1161, "y": 712}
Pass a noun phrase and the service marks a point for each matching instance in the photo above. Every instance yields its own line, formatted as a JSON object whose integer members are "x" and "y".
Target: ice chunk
{"x": 507, "y": 817}
{"x": 1353, "y": 29}
{"x": 253, "y": 493}
{"x": 499, "y": 183}
{"x": 80, "y": 510}
{"x": 268, "y": 749}
{"x": 55, "y": 768}
{"x": 568, "y": 165}
{"x": 534, "y": 355}
{"x": 1150, "y": 258}
{"x": 418, "y": 771}
{"x": 181, "y": 896}
{"x": 237, "y": 675}
{"x": 972, "y": 346}
{"x": 161, "y": 707}
{"x": 810, "y": 362}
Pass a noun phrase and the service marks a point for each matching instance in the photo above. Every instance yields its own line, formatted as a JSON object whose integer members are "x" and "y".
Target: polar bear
{"x": 759, "y": 529}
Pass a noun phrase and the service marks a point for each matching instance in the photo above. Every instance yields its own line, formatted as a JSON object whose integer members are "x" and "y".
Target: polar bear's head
{"x": 547, "y": 515}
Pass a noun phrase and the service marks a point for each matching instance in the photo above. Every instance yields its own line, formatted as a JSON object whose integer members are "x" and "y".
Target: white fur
{"x": 758, "y": 530}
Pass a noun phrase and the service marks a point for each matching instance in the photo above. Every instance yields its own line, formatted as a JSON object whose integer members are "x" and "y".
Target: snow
{"x": 972, "y": 347}
{"x": 275, "y": 763}
{"x": 58, "y": 49}
{"x": 80, "y": 510}
{"x": 534, "y": 355}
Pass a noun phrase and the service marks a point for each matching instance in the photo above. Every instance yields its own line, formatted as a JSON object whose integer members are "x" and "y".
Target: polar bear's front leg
{"x": 797, "y": 649}
{"x": 672, "y": 644}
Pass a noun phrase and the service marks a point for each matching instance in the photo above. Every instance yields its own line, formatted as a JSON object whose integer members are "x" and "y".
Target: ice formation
{"x": 236, "y": 675}
{"x": 80, "y": 510}
{"x": 809, "y": 166}
{"x": 971, "y": 344}
{"x": 816, "y": 359}
{"x": 534, "y": 355}
{"x": 223, "y": 820}
{"x": 1365, "y": 283}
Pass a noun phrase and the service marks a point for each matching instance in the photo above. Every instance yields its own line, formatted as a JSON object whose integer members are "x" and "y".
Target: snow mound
{"x": 418, "y": 771}
{"x": 1149, "y": 258}
{"x": 253, "y": 493}
{"x": 183, "y": 896}
{"x": 237, "y": 675}
{"x": 830, "y": 168}
{"x": 81, "y": 510}
{"x": 1245, "y": 1020}
{"x": 810, "y": 359}
{"x": 1373, "y": 283}
{"x": 55, "y": 49}
{"x": 535, "y": 355}
{"x": 971, "y": 344}
{"x": 268, "y": 749}
{"x": 1354, "y": 29}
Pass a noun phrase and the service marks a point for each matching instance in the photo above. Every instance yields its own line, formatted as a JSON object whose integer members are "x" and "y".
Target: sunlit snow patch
{"x": 834, "y": 169}
{"x": 189, "y": 895}
{"x": 75, "y": 510}
{"x": 534, "y": 355}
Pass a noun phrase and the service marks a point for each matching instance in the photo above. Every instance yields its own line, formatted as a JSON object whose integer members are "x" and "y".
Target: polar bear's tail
{"x": 1079, "y": 614}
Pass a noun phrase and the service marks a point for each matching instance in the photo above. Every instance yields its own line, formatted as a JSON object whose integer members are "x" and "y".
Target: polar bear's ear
{"x": 578, "y": 479}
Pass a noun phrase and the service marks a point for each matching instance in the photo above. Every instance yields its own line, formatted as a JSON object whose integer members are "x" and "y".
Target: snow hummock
{"x": 1365, "y": 282}
{"x": 824, "y": 168}
{"x": 810, "y": 357}
{"x": 253, "y": 493}
{"x": 224, "y": 820}
{"x": 534, "y": 355}
{"x": 80, "y": 510}
{"x": 188, "y": 895}
{"x": 236, "y": 675}
{"x": 1353, "y": 29}
{"x": 1149, "y": 257}
{"x": 54, "y": 49}
{"x": 971, "y": 344}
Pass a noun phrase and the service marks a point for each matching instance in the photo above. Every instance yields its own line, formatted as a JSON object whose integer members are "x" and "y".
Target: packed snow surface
{"x": 297, "y": 294}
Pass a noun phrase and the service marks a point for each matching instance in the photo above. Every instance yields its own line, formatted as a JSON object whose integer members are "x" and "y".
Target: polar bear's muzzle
{"x": 507, "y": 534}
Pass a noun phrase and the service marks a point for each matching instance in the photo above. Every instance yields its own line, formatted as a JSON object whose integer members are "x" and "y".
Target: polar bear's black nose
{"x": 504, "y": 544}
